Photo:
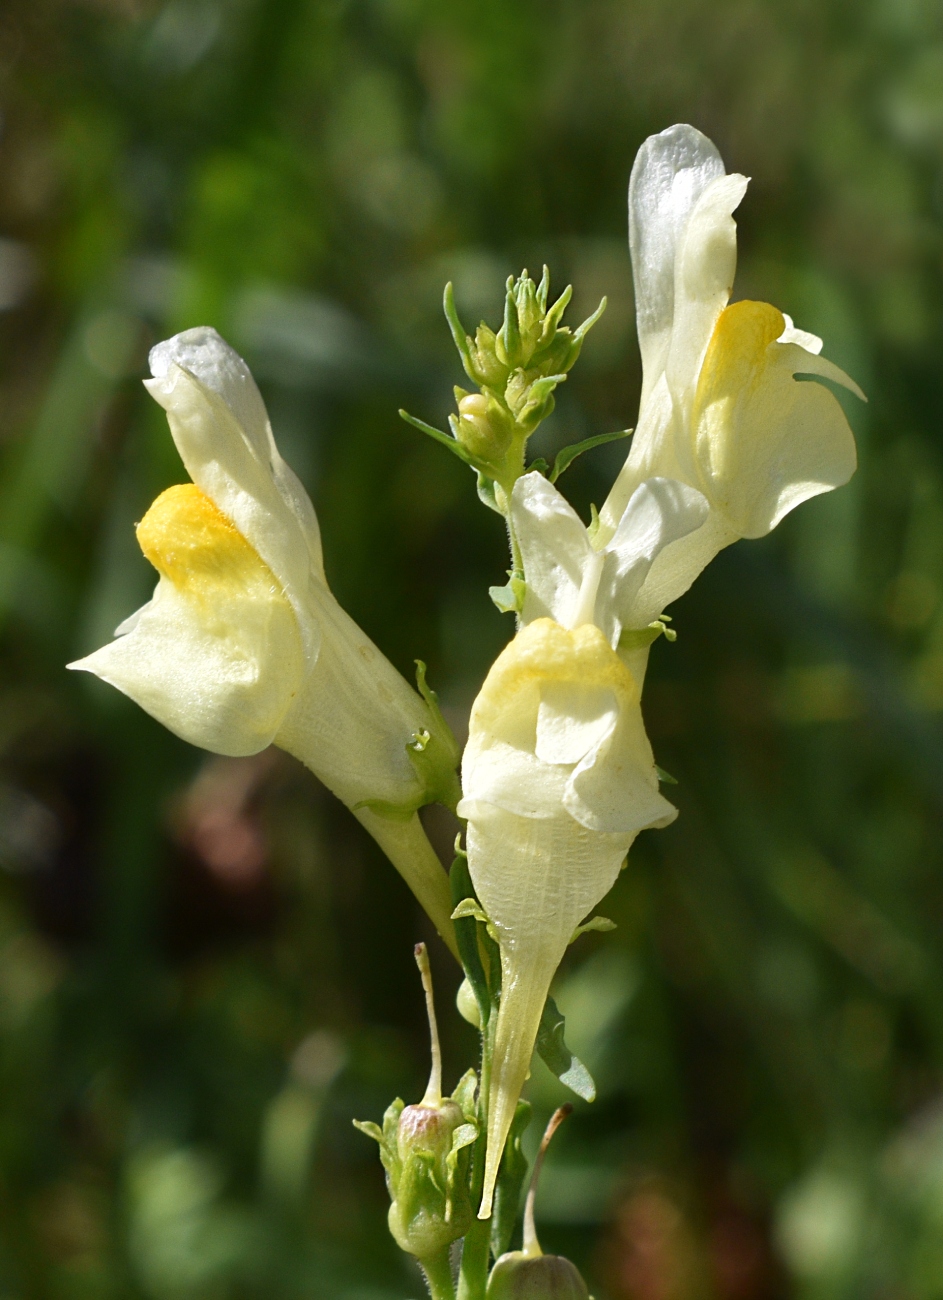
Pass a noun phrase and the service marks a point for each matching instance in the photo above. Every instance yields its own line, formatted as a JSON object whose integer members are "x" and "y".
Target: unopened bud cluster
{"x": 517, "y": 370}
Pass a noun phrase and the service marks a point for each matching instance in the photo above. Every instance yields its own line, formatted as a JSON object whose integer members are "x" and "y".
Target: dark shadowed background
{"x": 205, "y": 966}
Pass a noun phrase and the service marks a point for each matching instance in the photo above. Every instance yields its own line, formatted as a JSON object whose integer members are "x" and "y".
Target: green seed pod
{"x": 431, "y": 1206}
{"x": 426, "y": 1151}
{"x": 517, "y": 1276}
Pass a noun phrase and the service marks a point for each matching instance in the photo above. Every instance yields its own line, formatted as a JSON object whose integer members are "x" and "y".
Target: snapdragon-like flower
{"x": 558, "y": 776}
{"x": 243, "y": 644}
{"x": 721, "y": 408}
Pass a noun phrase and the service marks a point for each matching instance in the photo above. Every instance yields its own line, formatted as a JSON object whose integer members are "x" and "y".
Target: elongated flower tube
{"x": 243, "y": 644}
{"x": 721, "y": 409}
{"x": 558, "y": 776}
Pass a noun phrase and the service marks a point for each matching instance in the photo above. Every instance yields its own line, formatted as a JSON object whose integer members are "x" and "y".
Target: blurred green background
{"x": 205, "y": 966}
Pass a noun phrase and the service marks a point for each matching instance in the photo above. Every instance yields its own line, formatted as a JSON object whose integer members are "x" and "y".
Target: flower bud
{"x": 482, "y": 427}
{"x": 517, "y": 1276}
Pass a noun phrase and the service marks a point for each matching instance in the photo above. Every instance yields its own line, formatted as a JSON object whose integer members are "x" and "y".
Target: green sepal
{"x": 463, "y": 1137}
{"x": 568, "y": 455}
{"x": 531, "y": 402}
{"x": 372, "y": 1130}
{"x": 579, "y": 334}
{"x": 665, "y": 777}
{"x": 470, "y": 907}
{"x": 602, "y": 924}
{"x": 511, "y": 1176}
{"x": 510, "y": 599}
{"x": 486, "y": 493}
{"x": 509, "y": 339}
{"x": 437, "y": 757}
{"x": 637, "y": 638}
{"x": 393, "y": 812}
{"x": 385, "y": 1138}
{"x": 558, "y": 1058}
{"x": 434, "y": 755}
{"x": 481, "y": 956}
{"x": 464, "y": 1094}
{"x": 462, "y": 341}
{"x": 555, "y": 314}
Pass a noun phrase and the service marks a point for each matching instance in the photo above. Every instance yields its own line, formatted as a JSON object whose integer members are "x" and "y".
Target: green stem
{"x": 406, "y": 846}
{"x": 438, "y": 1271}
{"x": 474, "y": 1275}
{"x": 473, "y": 1278}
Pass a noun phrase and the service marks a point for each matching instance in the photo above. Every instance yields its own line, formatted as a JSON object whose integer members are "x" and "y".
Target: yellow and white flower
{"x": 573, "y": 579}
{"x": 721, "y": 409}
{"x": 243, "y": 644}
{"x": 558, "y": 776}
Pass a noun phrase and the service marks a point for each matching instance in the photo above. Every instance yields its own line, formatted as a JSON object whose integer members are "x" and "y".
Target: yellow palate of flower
{"x": 736, "y": 366}
{"x": 542, "y": 654}
{"x": 192, "y": 544}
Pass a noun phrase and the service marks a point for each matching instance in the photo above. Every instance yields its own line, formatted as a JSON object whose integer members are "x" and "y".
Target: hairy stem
{"x": 438, "y": 1271}
{"x": 476, "y": 1250}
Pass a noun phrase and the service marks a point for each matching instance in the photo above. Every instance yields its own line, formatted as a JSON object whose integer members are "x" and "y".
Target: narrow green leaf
{"x": 665, "y": 777}
{"x": 445, "y": 438}
{"x": 558, "y": 1058}
{"x": 568, "y": 455}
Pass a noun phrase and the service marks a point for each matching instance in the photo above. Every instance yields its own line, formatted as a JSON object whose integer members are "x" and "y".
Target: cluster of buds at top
{"x": 517, "y": 370}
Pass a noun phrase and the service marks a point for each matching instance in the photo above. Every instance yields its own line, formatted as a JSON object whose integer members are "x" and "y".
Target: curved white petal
{"x": 704, "y": 273}
{"x": 221, "y": 678}
{"x": 554, "y": 548}
{"x": 652, "y": 454}
{"x": 513, "y": 779}
{"x": 671, "y": 172}
{"x": 219, "y": 425}
{"x": 677, "y": 566}
{"x": 614, "y": 789}
{"x": 573, "y": 719}
{"x": 660, "y": 512}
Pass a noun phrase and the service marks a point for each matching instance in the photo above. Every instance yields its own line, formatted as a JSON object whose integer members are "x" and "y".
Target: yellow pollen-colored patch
{"x": 737, "y": 353}
{"x": 190, "y": 542}
{"x": 545, "y": 653}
